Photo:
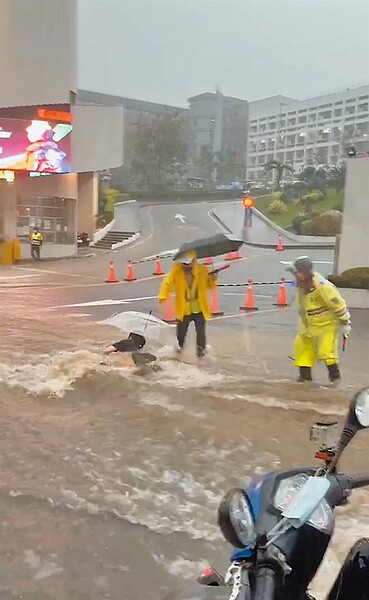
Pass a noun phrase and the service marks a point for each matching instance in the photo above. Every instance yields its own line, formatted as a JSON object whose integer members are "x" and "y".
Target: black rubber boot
{"x": 334, "y": 373}
{"x": 304, "y": 374}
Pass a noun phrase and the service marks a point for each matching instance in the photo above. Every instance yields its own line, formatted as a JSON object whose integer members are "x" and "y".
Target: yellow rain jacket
{"x": 176, "y": 280}
{"x": 320, "y": 311}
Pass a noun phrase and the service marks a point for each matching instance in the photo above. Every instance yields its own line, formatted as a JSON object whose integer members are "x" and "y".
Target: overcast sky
{"x": 167, "y": 50}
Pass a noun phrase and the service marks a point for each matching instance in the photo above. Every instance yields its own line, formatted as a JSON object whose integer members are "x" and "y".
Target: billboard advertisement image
{"x": 35, "y": 146}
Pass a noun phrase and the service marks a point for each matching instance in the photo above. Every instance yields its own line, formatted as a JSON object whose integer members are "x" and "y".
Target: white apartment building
{"x": 312, "y": 132}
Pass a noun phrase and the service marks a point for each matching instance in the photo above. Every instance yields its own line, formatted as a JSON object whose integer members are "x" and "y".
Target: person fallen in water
{"x": 133, "y": 344}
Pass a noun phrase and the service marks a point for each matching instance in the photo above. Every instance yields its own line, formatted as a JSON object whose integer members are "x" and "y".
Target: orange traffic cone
{"x": 214, "y": 304}
{"x": 230, "y": 256}
{"x": 249, "y": 303}
{"x": 130, "y": 275}
{"x": 237, "y": 255}
{"x": 208, "y": 261}
{"x": 168, "y": 312}
{"x": 281, "y": 296}
{"x": 111, "y": 278}
{"x": 279, "y": 247}
{"x": 158, "y": 270}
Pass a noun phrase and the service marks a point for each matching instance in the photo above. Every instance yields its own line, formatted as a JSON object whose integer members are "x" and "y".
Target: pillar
{"x": 87, "y": 203}
{"x": 354, "y": 242}
{"x": 8, "y": 207}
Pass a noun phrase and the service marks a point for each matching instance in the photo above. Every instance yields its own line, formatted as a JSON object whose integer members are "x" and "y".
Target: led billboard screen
{"x": 38, "y": 146}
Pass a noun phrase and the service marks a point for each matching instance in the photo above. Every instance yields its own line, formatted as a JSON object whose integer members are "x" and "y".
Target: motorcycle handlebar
{"x": 359, "y": 481}
{"x": 265, "y": 584}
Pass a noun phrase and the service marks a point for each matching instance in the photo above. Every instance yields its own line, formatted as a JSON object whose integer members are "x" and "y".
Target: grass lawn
{"x": 285, "y": 219}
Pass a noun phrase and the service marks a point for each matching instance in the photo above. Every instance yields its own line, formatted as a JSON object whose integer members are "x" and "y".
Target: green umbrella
{"x": 214, "y": 245}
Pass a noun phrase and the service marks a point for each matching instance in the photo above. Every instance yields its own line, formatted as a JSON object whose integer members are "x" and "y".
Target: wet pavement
{"x": 111, "y": 480}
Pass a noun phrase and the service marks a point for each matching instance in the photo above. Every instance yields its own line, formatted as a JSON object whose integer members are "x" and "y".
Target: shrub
{"x": 300, "y": 219}
{"x": 277, "y": 207}
{"x": 327, "y": 224}
{"x": 357, "y": 278}
{"x": 277, "y": 196}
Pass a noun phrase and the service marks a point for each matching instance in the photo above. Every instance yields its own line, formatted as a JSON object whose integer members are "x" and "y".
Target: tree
{"x": 279, "y": 168}
{"x": 228, "y": 169}
{"x": 336, "y": 178}
{"x": 158, "y": 143}
{"x": 314, "y": 179}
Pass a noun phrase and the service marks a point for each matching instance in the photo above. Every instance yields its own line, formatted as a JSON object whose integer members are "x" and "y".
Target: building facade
{"x": 219, "y": 125}
{"x": 50, "y": 148}
{"x": 314, "y": 132}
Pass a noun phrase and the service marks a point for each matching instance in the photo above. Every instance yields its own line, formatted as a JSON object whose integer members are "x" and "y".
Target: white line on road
{"x": 248, "y": 314}
{"x": 8, "y": 278}
{"x": 106, "y": 302}
{"x": 60, "y": 273}
{"x": 318, "y": 262}
{"x": 243, "y": 293}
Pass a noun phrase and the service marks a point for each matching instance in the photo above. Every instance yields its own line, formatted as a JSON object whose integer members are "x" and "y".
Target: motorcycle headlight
{"x": 322, "y": 518}
{"x": 235, "y": 519}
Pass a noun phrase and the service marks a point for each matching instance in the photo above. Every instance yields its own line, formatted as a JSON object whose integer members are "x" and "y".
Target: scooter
{"x": 83, "y": 240}
{"x": 281, "y": 523}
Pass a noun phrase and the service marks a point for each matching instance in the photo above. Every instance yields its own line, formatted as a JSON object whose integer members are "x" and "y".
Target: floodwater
{"x": 110, "y": 480}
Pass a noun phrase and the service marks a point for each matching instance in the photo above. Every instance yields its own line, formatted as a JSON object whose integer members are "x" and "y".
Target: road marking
{"x": 182, "y": 218}
{"x": 46, "y": 287}
{"x": 17, "y": 277}
{"x": 318, "y": 262}
{"x": 60, "y": 273}
{"x": 164, "y": 254}
{"x": 243, "y": 293}
{"x": 106, "y": 302}
{"x": 247, "y": 314}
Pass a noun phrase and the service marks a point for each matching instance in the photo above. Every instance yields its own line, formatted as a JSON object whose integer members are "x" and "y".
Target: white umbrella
{"x": 145, "y": 324}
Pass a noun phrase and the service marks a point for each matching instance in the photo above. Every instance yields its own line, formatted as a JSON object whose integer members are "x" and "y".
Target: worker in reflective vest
{"x": 36, "y": 240}
{"x": 321, "y": 311}
{"x": 191, "y": 282}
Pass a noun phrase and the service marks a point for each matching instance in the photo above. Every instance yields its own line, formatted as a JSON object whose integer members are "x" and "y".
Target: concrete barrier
{"x": 355, "y": 298}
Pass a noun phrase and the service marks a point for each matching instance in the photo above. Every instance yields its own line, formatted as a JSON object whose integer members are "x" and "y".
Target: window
{"x": 363, "y": 107}
{"x": 350, "y": 110}
{"x": 338, "y": 112}
{"x": 54, "y": 216}
{"x": 302, "y": 119}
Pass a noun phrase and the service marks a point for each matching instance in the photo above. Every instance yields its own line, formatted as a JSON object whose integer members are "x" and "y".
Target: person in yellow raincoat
{"x": 190, "y": 282}
{"x": 321, "y": 312}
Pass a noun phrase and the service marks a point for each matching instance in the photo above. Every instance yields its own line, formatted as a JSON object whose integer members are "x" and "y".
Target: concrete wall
{"x": 97, "y": 138}
{"x": 63, "y": 186}
{"x": 87, "y": 205}
{"x": 37, "y": 51}
{"x": 354, "y": 242}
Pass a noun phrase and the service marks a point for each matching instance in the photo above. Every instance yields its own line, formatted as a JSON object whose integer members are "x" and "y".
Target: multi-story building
{"x": 219, "y": 124}
{"x": 50, "y": 149}
{"x": 134, "y": 111}
{"x": 312, "y": 132}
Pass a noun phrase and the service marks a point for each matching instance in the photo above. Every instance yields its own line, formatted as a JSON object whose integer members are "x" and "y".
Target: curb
{"x": 305, "y": 246}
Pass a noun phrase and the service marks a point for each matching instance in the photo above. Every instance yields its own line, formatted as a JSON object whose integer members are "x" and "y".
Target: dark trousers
{"x": 182, "y": 328}
{"x": 35, "y": 252}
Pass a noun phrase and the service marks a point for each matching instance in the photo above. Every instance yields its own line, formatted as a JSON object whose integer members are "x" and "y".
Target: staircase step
{"x": 113, "y": 237}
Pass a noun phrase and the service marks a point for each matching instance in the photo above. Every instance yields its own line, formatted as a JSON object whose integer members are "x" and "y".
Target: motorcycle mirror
{"x": 356, "y": 420}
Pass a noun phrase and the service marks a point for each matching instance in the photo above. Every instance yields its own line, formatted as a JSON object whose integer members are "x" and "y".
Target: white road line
{"x": 243, "y": 293}
{"x": 248, "y": 314}
{"x": 106, "y": 302}
{"x": 318, "y": 262}
{"x": 60, "y": 273}
{"x": 10, "y": 277}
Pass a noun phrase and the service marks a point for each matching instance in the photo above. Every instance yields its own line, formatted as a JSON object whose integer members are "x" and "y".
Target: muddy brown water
{"x": 110, "y": 480}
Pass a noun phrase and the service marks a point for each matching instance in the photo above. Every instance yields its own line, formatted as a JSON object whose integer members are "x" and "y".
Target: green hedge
{"x": 357, "y": 278}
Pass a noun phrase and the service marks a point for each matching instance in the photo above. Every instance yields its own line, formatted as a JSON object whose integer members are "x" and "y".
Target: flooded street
{"x": 111, "y": 480}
